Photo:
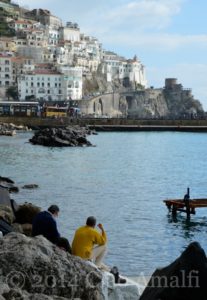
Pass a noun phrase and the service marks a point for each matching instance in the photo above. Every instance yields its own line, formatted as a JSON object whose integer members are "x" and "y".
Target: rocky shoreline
{"x": 34, "y": 268}
{"x": 9, "y": 129}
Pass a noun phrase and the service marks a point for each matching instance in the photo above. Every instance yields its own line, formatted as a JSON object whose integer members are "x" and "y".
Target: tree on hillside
{"x": 12, "y": 92}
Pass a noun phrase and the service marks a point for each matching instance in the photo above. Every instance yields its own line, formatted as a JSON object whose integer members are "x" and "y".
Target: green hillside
{"x": 4, "y": 28}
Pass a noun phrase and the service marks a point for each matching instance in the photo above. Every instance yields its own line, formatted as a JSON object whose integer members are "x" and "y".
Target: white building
{"x": 70, "y": 33}
{"x": 45, "y": 85}
{"x": 116, "y": 67}
{"x": 72, "y": 82}
{"x": 51, "y": 85}
{"x": 53, "y": 36}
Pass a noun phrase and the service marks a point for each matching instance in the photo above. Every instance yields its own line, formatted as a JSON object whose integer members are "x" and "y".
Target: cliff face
{"x": 173, "y": 101}
{"x": 160, "y": 103}
{"x": 147, "y": 104}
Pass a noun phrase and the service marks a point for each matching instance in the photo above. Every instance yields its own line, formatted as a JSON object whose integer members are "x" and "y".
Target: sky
{"x": 168, "y": 36}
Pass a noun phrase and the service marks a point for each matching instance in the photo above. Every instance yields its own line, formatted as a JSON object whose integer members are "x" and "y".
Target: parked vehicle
{"x": 18, "y": 108}
{"x": 53, "y": 111}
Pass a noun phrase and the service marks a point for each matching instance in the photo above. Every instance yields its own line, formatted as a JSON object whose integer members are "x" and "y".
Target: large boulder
{"x": 61, "y": 137}
{"x": 36, "y": 268}
{"x": 184, "y": 279}
{"x": 26, "y": 213}
{"x": 6, "y": 213}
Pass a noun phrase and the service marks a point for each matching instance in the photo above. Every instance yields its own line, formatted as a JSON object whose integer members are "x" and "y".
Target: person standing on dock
{"x": 89, "y": 243}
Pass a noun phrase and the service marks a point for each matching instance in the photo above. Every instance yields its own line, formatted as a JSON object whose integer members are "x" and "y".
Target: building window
{"x": 6, "y": 62}
{"x": 26, "y": 91}
{"x": 32, "y": 84}
{"x": 38, "y": 84}
{"x": 43, "y": 84}
{"x": 59, "y": 91}
{"x": 48, "y": 84}
{"x": 48, "y": 91}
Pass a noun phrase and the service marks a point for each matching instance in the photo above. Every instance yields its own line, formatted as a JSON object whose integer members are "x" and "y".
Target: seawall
{"x": 112, "y": 124}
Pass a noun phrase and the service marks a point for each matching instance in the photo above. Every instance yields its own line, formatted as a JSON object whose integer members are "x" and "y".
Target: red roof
{"x": 46, "y": 72}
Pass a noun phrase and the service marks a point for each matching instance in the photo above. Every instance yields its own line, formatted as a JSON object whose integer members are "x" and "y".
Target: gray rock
{"x": 61, "y": 137}
{"x": 26, "y": 213}
{"x": 30, "y": 186}
{"x": 184, "y": 279}
{"x": 7, "y": 214}
{"x": 37, "y": 267}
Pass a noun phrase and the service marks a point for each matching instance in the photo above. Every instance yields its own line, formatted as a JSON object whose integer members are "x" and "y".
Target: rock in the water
{"x": 37, "y": 267}
{"x": 61, "y": 137}
{"x": 6, "y": 179}
{"x": 30, "y": 186}
{"x": 184, "y": 279}
{"x": 8, "y": 184}
{"x": 10, "y": 129}
{"x": 26, "y": 213}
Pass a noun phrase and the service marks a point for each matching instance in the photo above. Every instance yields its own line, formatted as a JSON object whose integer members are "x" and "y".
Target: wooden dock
{"x": 185, "y": 205}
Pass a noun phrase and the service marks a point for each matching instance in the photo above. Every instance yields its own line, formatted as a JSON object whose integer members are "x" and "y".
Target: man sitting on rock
{"x": 89, "y": 243}
{"x": 45, "y": 224}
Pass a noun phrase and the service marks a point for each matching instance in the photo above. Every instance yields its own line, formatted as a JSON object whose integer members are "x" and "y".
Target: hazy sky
{"x": 169, "y": 36}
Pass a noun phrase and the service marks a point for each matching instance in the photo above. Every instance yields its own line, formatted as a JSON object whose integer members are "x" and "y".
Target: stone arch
{"x": 100, "y": 106}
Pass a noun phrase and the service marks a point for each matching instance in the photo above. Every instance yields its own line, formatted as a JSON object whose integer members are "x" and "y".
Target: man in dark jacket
{"x": 44, "y": 224}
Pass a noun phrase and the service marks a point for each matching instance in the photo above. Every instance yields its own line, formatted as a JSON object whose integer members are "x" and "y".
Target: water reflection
{"x": 187, "y": 228}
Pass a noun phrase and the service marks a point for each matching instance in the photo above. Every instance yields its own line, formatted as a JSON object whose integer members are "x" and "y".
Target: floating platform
{"x": 185, "y": 205}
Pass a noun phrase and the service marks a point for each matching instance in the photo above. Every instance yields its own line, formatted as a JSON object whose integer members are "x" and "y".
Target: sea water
{"x": 122, "y": 182}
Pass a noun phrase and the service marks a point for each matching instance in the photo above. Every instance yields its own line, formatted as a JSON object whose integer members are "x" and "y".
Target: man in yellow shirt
{"x": 85, "y": 239}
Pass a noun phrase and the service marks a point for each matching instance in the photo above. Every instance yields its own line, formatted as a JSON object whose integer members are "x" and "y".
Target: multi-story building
{"x": 45, "y": 17}
{"x": 6, "y": 70}
{"x": 116, "y": 67}
{"x": 53, "y": 36}
{"x": 71, "y": 32}
{"x": 42, "y": 84}
{"x": 20, "y": 25}
{"x": 72, "y": 82}
{"x": 7, "y": 44}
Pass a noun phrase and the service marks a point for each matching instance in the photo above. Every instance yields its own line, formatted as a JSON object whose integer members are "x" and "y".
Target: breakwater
{"x": 112, "y": 124}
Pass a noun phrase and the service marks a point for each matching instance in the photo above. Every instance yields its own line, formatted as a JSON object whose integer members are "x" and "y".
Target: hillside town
{"x": 43, "y": 59}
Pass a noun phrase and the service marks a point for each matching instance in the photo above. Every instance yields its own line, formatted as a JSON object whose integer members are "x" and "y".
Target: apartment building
{"x": 7, "y": 78}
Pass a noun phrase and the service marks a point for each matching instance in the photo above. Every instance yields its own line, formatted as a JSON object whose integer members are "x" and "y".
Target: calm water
{"x": 122, "y": 182}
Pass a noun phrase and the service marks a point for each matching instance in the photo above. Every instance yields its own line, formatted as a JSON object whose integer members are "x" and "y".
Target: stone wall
{"x": 102, "y": 105}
